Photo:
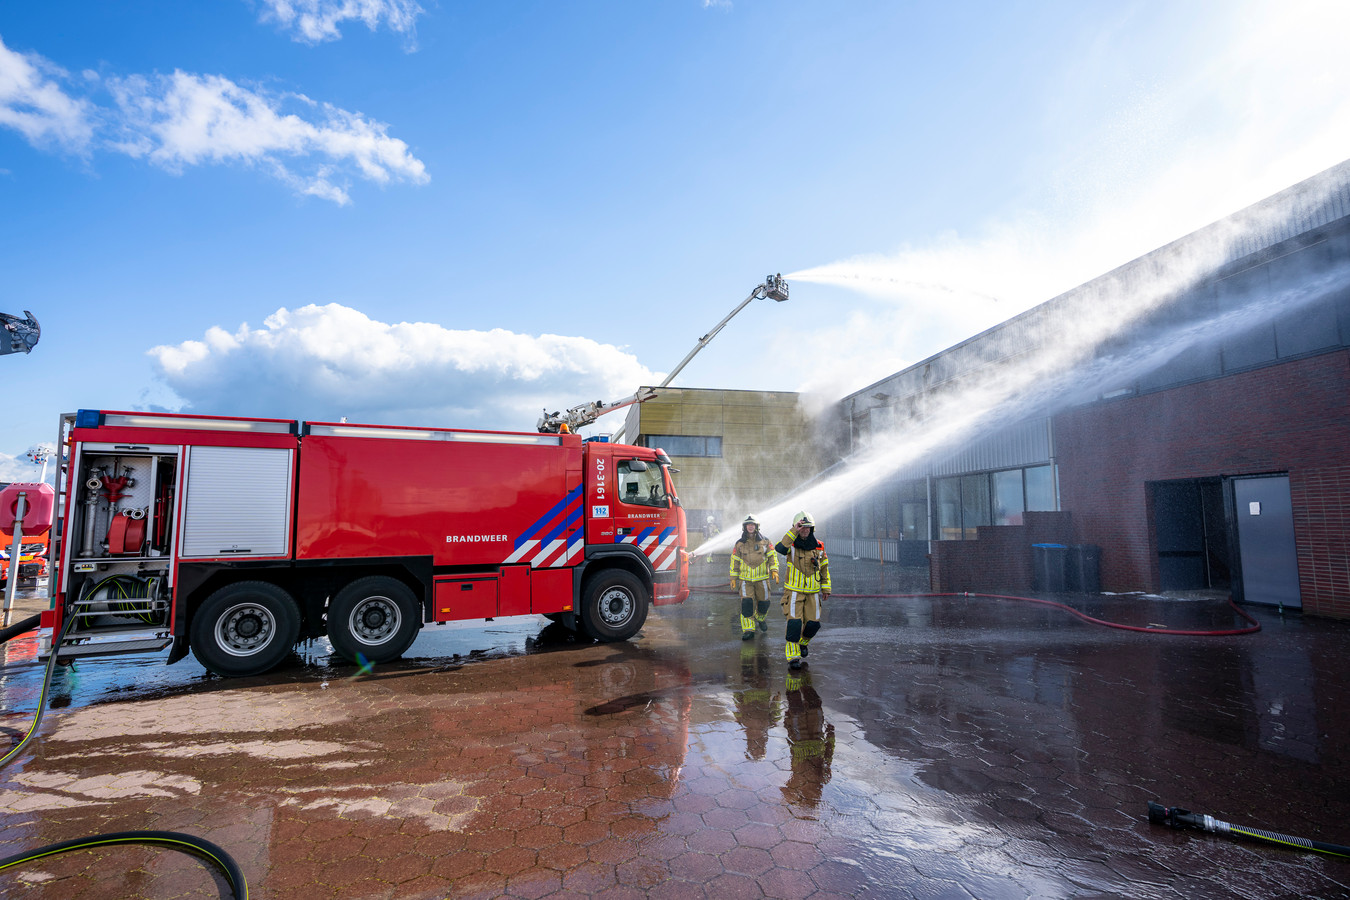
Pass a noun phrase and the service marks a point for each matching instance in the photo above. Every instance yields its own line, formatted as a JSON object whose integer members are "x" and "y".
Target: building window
{"x": 975, "y": 507}
{"x": 966, "y": 502}
{"x": 949, "y": 509}
{"x": 914, "y": 511}
{"x": 1009, "y": 502}
{"x": 686, "y": 444}
{"x": 896, "y": 512}
{"x": 1041, "y": 488}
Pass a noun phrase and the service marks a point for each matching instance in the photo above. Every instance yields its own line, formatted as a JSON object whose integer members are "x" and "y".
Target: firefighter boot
{"x": 808, "y": 632}
{"x": 794, "y": 647}
{"x": 747, "y": 628}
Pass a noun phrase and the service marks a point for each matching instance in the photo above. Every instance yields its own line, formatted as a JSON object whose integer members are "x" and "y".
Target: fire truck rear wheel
{"x": 613, "y": 606}
{"x": 245, "y": 628}
{"x": 375, "y": 617}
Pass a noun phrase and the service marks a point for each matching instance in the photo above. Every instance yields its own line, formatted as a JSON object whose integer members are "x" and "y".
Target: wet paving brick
{"x": 950, "y": 747}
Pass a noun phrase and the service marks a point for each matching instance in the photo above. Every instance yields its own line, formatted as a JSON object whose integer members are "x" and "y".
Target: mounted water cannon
{"x": 774, "y": 288}
{"x": 19, "y": 335}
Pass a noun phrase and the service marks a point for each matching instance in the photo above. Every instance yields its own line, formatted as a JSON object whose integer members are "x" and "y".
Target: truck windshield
{"x": 643, "y": 488}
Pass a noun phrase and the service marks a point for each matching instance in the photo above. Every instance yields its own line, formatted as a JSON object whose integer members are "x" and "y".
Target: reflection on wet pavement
{"x": 952, "y": 747}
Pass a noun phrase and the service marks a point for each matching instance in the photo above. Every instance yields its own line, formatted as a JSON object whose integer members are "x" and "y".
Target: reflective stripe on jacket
{"x": 753, "y": 561}
{"x": 808, "y": 571}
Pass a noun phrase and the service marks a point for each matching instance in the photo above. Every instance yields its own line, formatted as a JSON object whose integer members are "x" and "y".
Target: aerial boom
{"x": 774, "y": 287}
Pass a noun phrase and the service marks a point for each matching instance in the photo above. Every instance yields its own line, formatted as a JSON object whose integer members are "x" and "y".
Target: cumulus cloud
{"x": 326, "y": 362}
{"x": 316, "y": 21}
{"x": 33, "y": 102}
{"x": 185, "y": 119}
{"x": 1262, "y": 106}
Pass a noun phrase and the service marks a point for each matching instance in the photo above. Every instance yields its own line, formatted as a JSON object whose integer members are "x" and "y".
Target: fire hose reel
{"x": 126, "y": 533}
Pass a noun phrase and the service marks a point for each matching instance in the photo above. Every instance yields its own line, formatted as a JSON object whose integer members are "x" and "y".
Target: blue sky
{"x": 444, "y": 213}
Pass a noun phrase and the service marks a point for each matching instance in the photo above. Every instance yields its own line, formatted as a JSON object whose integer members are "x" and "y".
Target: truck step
{"x": 139, "y": 640}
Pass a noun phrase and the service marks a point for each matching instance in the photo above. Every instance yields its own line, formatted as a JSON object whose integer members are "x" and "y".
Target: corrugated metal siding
{"x": 238, "y": 502}
{"x": 1026, "y": 443}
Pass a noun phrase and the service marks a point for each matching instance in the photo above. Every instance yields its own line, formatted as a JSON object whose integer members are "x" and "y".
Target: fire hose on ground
{"x": 186, "y": 843}
{"x": 1176, "y": 817}
{"x": 1149, "y": 629}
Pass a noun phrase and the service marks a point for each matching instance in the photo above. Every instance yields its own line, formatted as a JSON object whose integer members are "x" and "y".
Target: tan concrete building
{"x": 737, "y": 451}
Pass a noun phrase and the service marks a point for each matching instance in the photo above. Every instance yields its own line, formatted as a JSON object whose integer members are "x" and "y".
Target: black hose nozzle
{"x": 1176, "y": 817}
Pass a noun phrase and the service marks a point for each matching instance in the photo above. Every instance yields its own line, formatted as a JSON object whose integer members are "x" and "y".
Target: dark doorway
{"x": 1190, "y": 522}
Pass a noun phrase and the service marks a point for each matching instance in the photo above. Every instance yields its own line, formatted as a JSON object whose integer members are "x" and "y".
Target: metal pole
{"x": 14, "y": 554}
{"x": 702, "y": 342}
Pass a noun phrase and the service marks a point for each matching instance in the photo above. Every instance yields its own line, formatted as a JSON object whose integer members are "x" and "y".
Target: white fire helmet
{"x": 803, "y": 518}
{"x": 750, "y": 520}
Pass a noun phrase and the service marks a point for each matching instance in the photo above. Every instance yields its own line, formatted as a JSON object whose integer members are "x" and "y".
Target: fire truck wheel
{"x": 613, "y": 606}
{"x": 245, "y": 628}
{"x": 374, "y": 617}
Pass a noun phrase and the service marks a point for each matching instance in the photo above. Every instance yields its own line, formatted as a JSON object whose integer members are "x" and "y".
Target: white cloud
{"x": 33, "y": 103}
{"x": 1258, "y": 105}
{"x": 185, "y": 119}
{"x": 315, "y": 21}
{"x": 326, "y": 362}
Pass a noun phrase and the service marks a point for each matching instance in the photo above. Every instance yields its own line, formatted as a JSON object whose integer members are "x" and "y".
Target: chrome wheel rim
{"x": 375, "y": 620}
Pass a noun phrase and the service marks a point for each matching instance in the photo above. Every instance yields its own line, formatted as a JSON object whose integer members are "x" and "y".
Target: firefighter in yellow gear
{"x": 810, "y": 740}
{"x": 753, "y": 563}
{"x": 806, "y": 584}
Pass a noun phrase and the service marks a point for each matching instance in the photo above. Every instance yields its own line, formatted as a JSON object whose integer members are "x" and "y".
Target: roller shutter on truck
{"x": 238, "y": 502}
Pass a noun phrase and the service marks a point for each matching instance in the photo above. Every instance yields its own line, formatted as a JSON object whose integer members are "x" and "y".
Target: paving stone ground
{"x": 932, "y": 747}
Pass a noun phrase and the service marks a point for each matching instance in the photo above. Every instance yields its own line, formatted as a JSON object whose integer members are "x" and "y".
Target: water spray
{"x": 1062, "y": 365}
{"x": 1176, "y": 817}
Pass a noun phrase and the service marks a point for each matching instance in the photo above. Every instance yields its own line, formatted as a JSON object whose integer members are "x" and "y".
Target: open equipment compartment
{"x": 121, "y": 539}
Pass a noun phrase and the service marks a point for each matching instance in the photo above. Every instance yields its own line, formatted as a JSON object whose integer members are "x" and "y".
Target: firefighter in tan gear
{"x": 806, "y": 584}
{"x": 753, "y": 563}
{"x": 810, "y": 739}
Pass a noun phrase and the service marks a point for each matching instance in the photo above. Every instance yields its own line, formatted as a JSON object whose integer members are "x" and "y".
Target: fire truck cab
{"x": 238, "y": 538}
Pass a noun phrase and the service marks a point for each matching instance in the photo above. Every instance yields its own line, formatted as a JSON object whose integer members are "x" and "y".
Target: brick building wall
{"x": 1292, "y": 417}
{"x": 1000, "y": 558}
{"x": 1322, "y": 516}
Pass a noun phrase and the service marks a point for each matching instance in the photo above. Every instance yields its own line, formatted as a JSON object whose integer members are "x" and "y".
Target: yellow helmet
{"x": 803, "y": 518}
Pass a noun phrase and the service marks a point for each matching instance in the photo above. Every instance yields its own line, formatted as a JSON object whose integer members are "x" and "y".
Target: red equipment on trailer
{"x": 241, "y": 537}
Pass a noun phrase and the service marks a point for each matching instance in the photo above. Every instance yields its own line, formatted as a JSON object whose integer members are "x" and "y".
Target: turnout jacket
{"x": 753, "y": 560}
{"x": 808, "y": 570}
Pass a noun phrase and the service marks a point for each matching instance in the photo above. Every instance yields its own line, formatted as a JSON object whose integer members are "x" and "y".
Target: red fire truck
{"x": 238, "y": 538}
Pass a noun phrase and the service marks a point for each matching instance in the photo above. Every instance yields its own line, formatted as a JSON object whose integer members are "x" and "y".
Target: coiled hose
{"x": 174, "y": 840}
